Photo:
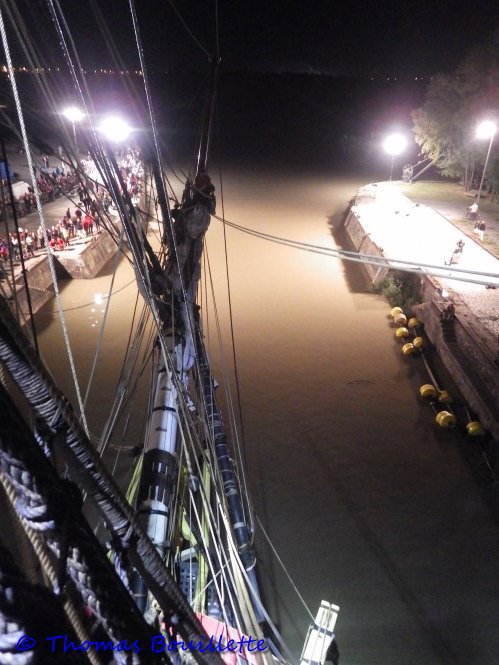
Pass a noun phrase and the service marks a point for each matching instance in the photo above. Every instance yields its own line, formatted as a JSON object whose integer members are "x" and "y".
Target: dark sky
{"x": 345, "y": 38}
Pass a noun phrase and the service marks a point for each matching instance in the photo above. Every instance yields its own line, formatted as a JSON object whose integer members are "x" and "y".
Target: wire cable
{"x": 367, "y": 258}
{"x": 42, "y": 222}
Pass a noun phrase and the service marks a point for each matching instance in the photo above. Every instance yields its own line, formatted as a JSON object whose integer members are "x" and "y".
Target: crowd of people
{"x": 86, "y": 219}
{"x": 82, "y": 224}
{"x": 50, "y": 187}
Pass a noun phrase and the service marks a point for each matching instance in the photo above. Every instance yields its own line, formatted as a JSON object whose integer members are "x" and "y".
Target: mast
{"x": 186, "y": 351}
{"x": 208, "y": 116}
{"x": 183, "y": 234}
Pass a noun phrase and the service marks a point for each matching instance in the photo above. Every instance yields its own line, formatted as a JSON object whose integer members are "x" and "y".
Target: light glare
{"x": 394, "y": 144}
{"x": 73, "y": 114}
{"x": 115, "y": 129}
{"x": 486, "y": 129}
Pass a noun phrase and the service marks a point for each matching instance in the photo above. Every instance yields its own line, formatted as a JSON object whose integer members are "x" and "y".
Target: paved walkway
{"x": 412, "y": 231}
{"x": 454, "y": 214}
{"x": 52, "y": 212}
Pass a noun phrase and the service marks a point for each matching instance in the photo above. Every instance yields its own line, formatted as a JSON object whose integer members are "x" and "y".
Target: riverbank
{"x": 385, "y": 223}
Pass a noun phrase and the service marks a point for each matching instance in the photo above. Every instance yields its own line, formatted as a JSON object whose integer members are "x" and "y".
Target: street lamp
{"x": 485, "y": 130}
{"x": 394, "y": 145}
{"x": 115, "y": 129}
{"x": 74, "y": 115}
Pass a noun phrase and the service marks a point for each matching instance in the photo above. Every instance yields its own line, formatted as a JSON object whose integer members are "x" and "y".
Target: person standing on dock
{"x": 456, "y": 254}
{"x": 481, "y": 229}
{"x": 473, "y": 210}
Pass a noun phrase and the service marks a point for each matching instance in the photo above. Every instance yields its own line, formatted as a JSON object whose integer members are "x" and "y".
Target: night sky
{"x": 337, "y": 38}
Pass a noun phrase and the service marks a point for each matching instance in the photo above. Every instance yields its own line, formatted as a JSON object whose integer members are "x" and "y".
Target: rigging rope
{"x": 188, "y": 30}
{"x": 286, "y": 572}
{"x": 242, "y": 467}
{"x": 364, "y": 258}
{"x": 50, "y": 507}
{"x": 27, "y": 608}
{"x": 52, "y": 409}
{"x": 42, "y": 220}
{"x": 359, "y": 257}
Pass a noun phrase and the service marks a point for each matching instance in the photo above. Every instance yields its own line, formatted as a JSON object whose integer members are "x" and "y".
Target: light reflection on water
{"x": 345, "y": 469}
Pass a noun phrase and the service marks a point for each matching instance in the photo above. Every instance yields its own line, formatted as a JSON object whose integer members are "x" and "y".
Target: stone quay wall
{"x": 363, "y": 242}
{"x": 85, "y": 263}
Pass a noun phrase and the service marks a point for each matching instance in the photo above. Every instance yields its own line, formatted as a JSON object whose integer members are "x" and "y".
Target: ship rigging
{"x": 183, "y": 564}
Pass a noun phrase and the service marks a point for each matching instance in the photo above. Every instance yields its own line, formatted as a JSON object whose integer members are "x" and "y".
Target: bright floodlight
{"x": 115, "y": 129}
{"x": 486, "y": 129}
{"x": 394, "y": 144}
{"x": 73, "y": 114}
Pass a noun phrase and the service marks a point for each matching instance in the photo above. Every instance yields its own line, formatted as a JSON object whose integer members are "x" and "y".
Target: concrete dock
{"x": 384, "y": 223}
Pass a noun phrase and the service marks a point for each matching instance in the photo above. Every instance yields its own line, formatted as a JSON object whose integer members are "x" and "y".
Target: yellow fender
{"x": 401, "y": 332}
{"x": 474, "y": 428}
{"x": 408, "y": 349}
{"x": 428, "y": 390}
{"x": 445, "y": 397}
{"x": 445, "y": 419}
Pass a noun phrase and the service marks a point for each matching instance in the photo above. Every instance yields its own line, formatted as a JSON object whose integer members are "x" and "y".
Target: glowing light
{"x": 486, "y": 129}
{"x": 73, "y": 114}
{"x": 394, "y": 144}
{"x": 115, "y": 129}
{"x": 98, "y": 299}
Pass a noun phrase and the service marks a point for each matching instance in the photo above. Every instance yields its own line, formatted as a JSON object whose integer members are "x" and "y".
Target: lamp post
{"x": 394, "y": 145}
{"x": 485, "y": 130}
{"x": 74, "y": 115}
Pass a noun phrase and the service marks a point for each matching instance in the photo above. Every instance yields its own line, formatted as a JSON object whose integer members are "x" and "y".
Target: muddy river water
{"x": 366, "y": 503}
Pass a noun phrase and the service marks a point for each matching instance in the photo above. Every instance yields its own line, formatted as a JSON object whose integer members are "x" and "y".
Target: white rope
{"x": 383, "y": 261}
{"x": 281, "y": 562}
{"x": 42, "y": 223}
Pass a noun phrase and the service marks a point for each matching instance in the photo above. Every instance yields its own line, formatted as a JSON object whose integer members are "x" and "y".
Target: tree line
{"x": 445, "y": 126}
